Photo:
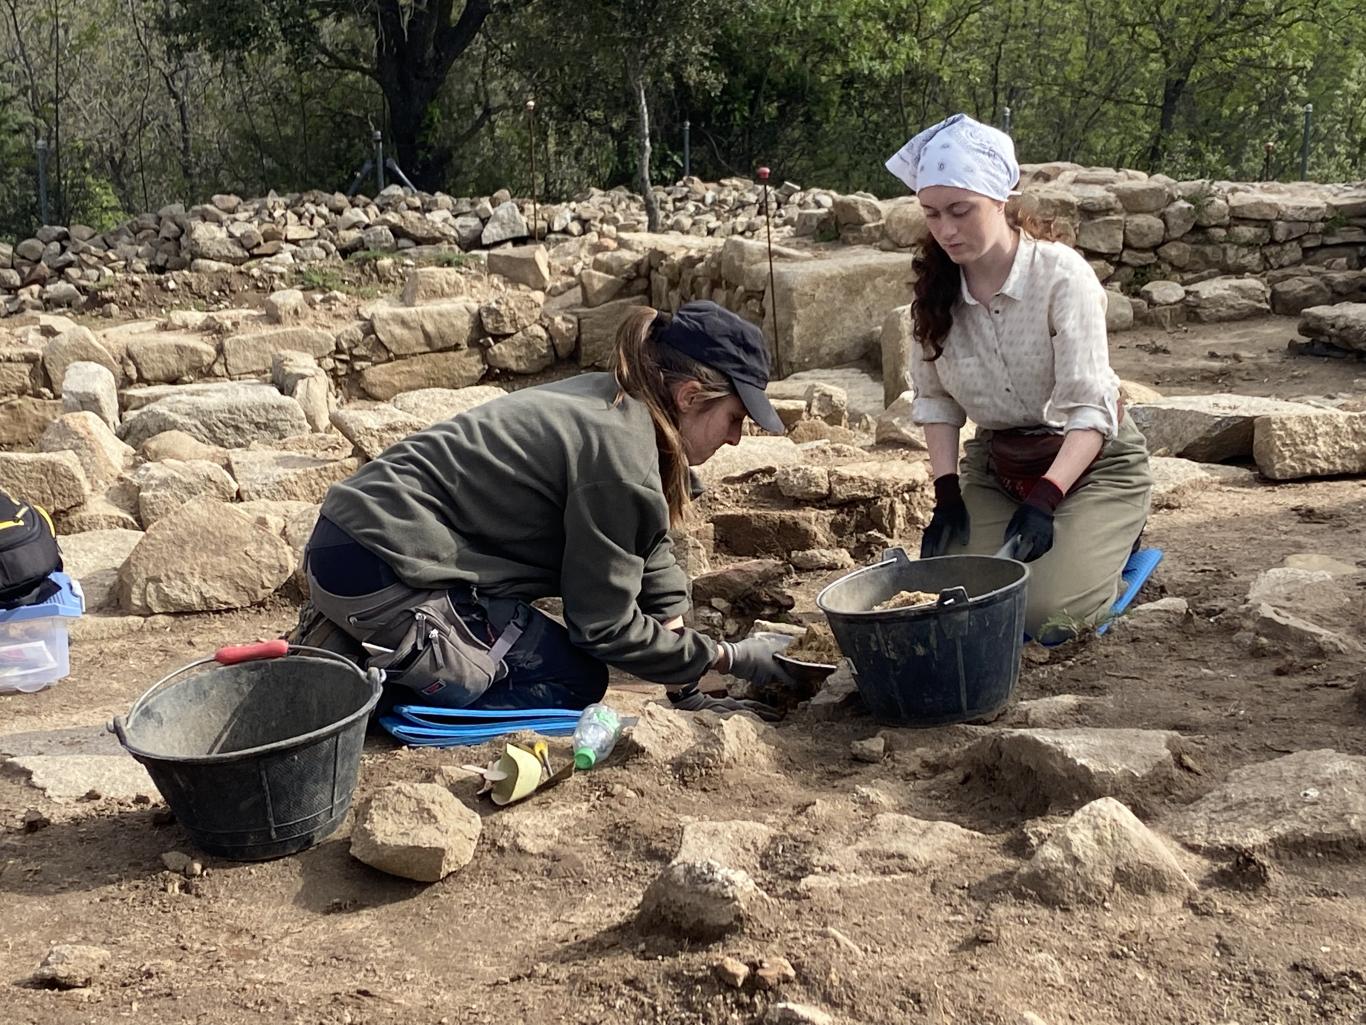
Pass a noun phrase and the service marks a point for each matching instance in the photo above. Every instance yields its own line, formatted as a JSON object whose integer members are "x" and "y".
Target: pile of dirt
{"x": 817, "y": 645}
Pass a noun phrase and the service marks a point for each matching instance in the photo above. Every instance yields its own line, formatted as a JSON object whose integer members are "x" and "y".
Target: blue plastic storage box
{"x": 33, "y": 642}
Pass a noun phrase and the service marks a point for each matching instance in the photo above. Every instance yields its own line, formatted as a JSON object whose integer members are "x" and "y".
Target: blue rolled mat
{"x": 1136, "y": 573}
{"x": 430, "y": 726}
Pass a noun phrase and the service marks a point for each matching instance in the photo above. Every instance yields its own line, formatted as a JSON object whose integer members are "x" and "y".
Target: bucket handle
{"x": 898, "y": 555}
{"x": 952, "y": 597}
{"x": 234, "y": 655}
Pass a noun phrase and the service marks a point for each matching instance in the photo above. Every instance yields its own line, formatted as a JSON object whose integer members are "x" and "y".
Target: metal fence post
{"x": 379, "y": 159}
{"x": 687, "y": 149}
{"x": 1006, "y": 126}
{"x": 41, "y": 147}
{"x": 1304, "y": 145}
{"x": 531, "y": 154}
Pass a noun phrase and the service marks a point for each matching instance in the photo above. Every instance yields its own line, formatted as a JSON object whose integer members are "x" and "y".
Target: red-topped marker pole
{"x": 763, "y": 174}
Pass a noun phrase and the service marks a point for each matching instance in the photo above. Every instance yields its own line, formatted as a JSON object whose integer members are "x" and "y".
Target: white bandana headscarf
{"x": 962, "y": 153}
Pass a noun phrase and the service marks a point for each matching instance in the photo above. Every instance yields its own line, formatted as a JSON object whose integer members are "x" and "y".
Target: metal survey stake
{"x": 772, "y": 292}
{"x": 531, "y": 150}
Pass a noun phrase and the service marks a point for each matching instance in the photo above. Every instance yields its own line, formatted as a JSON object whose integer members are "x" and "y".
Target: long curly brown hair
{"x": 938, "y": 283}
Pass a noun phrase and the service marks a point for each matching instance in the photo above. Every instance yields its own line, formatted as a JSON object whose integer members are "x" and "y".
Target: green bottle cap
{"x": 584, "y": 758}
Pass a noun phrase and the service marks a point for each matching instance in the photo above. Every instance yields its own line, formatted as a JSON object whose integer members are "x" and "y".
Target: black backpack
{"x": 28, "y": 554}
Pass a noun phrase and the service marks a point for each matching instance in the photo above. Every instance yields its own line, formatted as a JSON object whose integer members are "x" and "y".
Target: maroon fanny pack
{"x": 1018, "y": 458}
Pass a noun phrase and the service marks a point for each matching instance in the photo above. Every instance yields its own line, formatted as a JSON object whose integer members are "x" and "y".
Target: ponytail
{"x": 648, "y": 371}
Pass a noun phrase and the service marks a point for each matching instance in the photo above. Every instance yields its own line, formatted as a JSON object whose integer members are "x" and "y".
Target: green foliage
{"x": 364, "y": 257}
{"x": 447, "y": 258}
{"x": 326, "y": 277}
{"x": 148, "y": 102}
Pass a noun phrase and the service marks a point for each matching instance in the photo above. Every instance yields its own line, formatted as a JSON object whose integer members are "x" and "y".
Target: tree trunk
{"x": 417, "y": 45}
{"x": 637, "y": 80}
{"x": 1172, "y": 90}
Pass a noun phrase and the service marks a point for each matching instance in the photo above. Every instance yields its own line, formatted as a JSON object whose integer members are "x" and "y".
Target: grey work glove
{"x": 752, "y": 658}
{"x": 690, "y": 699}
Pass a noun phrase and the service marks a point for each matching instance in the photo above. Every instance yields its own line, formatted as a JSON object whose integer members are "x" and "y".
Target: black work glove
{"x": 690, "y": 699}
{"x": 1031, "y": 528}
{"x": 949, "y": 524}
{"x": 752, "y": 658}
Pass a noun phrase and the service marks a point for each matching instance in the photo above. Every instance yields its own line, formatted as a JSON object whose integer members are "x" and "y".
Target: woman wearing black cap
{"x": 429, "y": 555}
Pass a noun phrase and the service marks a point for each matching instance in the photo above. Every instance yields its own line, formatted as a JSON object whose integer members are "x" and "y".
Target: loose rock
{"x": 773, "y": 973}
{"x": 90, "y": 387}
{"x": 1322, "y": 444}
{"x": 418, "y": 831}
{"x": 700, "y": 901}
{"x": 872, "y": 750}
{"x": 812, "y": 559}
{"x": 1306, "y": 803}
{"x": 524, "y": 265}
{"x": 54, "y": 480}
{"x": 236, "y": 563}
{"x": 101, "y": 454}
{"x": 1209, "y": 428}
{"x": 165, "y": 486}
{"x": 804, "y": 483}
{"x": 1050, "y": 769}
{"x": 94, "y": 558}
{"x": 1102, "y": 851}
{"x": 732, "y": 972}
{"x": 230, "y": 415}
{"x": 784, "y": 1013}
{"x": 71, "y": 966}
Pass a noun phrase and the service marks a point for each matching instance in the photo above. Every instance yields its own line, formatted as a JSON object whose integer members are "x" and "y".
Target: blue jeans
{"x": 545, "y": 668}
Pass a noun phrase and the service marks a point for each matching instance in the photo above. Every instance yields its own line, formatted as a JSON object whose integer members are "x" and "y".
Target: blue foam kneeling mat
{"x": 1136, "y": 573}
{"x": 430, "y": 726}
{"x": 460, "y": 736}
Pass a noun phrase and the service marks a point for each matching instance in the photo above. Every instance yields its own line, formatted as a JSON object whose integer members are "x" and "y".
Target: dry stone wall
{"x": 1145, "y": 236}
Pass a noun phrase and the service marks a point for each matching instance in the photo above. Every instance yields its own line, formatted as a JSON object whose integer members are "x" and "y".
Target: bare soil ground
{"x": 539, "y": 927}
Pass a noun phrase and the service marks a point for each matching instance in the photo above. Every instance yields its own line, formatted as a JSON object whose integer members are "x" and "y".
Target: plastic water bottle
{"x": 597, "y": 733}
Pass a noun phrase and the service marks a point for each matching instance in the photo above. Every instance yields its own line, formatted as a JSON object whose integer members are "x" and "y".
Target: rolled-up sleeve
{"x": 611, "y": 531}
{"x": 1085, "y": 391}
{"x": 931, "y": 403}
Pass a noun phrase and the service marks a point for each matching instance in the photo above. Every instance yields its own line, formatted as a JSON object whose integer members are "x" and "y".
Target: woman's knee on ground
{"x": 1052, "y": 616}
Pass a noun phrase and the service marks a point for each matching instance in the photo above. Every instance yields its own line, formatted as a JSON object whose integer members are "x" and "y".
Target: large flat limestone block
{"x": 1208, "y": 428}
{"x": 831, "y": 310}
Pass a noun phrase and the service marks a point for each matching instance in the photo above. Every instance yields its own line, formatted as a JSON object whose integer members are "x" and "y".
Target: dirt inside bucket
{"x": 906, "y": 600}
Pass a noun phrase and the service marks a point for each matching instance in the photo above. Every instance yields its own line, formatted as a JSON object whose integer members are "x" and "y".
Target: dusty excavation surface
{"x": 1168, "y": 826}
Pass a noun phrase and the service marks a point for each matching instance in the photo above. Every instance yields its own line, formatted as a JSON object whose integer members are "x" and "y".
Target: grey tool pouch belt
{"x": 421, "y": 642}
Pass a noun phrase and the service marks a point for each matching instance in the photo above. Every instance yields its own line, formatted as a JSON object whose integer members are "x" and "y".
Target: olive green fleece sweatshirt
{"x": 551, "y": 490}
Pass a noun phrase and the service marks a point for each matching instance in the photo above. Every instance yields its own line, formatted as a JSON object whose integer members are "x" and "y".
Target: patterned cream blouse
{"x": 1034, "y": 356}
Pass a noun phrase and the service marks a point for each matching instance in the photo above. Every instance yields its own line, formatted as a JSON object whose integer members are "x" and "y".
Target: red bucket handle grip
{"x": 235, "y": 653}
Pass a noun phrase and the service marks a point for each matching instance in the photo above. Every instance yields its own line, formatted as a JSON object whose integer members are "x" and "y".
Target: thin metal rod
{"x": 379, "y": 159}
{"x": 531, "y": 149}
{"x": 772, "y": 289}
{"x": 1304, "y": 145}
{"x": 687, "y": 149}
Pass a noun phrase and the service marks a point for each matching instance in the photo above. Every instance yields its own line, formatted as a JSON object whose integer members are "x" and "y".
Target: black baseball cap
{"x": 723, "y": 341}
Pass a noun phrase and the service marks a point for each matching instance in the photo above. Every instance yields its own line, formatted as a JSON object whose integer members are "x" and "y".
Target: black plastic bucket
{"x": 256, "y": 750}
{"x": 954, "y": 661}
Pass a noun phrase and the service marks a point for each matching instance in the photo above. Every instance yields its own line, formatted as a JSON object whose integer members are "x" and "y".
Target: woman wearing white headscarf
{"x": 1010, "y": 326}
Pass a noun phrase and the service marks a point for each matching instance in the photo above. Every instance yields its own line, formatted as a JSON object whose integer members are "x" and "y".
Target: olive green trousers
{"x": 1094, "y": 531}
